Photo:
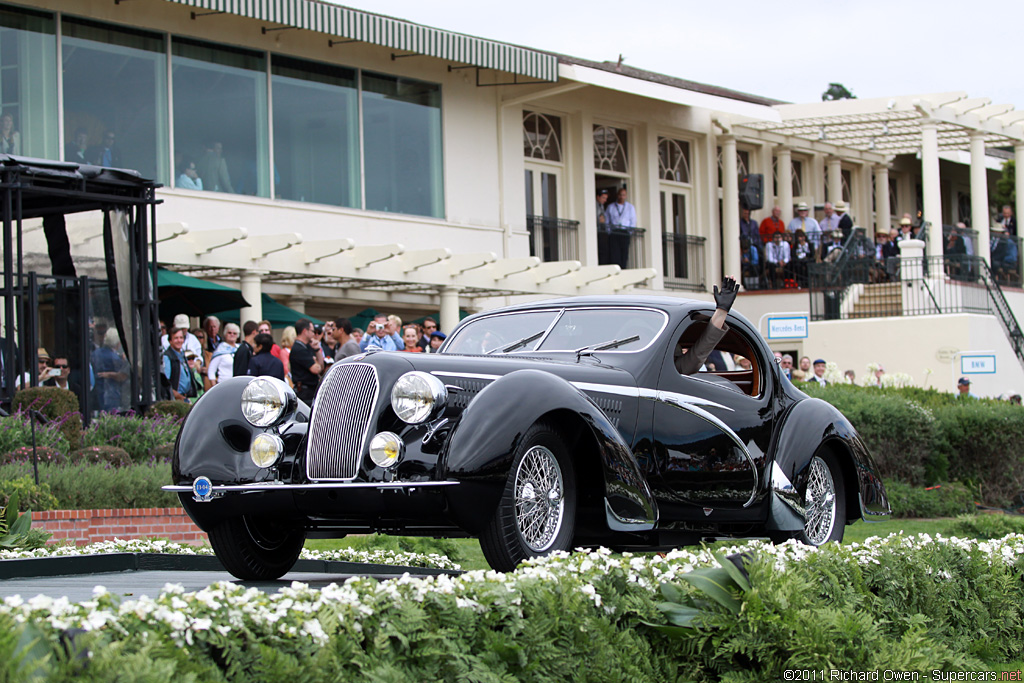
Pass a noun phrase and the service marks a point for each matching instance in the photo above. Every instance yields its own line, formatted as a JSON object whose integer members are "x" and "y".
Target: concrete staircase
{"x": 880, "y": 300}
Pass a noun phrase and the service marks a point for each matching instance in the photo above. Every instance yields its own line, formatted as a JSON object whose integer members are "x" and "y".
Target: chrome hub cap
{"x": 820, "y": 503}
{"x": 540, "y": 504}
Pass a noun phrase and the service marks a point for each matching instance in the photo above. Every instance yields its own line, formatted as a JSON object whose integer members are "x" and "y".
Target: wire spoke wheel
{"x": 539, "y": 498}
{"x": 821, "y": 503}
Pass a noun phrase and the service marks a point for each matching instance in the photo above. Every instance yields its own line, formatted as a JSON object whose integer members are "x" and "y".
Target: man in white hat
{"x": 845, "y": 222}
{"x": 905, "y": 225}
{"x": 191, "y": 341}
{"x": 804, "y": 222}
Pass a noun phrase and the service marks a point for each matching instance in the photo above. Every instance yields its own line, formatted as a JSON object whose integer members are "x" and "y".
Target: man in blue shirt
{"x": 176, "y": 370}
{"x": 384, "y": 335}
{"x": 621, "y": 216}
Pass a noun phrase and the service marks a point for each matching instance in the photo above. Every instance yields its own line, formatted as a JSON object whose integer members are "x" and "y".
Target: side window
{"x": 733, "y": 362}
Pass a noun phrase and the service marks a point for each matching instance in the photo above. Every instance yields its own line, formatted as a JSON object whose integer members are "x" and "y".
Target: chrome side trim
{"x": 465, "y": 375}
{"x": 617, "y": 523}
{"x": 784, "y": 490}
{"x": 277, "y": 486}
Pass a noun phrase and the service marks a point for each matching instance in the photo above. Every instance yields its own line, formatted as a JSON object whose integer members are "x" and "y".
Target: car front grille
{"x": 340, "y": 422}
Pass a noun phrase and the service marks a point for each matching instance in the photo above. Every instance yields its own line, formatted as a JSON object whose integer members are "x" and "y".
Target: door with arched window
{"x": 552, "y": 238}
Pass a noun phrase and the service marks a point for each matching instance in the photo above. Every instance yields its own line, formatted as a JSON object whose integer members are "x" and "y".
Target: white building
{"x": 351, "y": 160}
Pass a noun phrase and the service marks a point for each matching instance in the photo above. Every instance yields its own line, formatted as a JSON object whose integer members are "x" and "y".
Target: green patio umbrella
{"x": 180, "y": 293}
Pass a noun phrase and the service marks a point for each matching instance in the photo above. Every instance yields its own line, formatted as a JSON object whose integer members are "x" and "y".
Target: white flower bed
{"x": 300, "y": 612}
{"x": 389, "y": 557}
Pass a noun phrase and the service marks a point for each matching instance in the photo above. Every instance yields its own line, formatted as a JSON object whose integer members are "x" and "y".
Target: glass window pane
{"x": 316, "y": 124}
{"x": 220, "y": 117}
{"x": 28, "y": 84}
{"x": 115, "y": 84}
{"x": 402, "y": 145}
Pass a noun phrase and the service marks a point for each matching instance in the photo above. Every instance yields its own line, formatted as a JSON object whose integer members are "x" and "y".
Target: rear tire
{"x": 537, "y": 511}
{"x": 825, "y": 501}
{"x": 255, "y": 549}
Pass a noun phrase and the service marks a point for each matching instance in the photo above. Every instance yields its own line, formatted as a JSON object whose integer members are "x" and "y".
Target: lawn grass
{"x": 468, "y": 554}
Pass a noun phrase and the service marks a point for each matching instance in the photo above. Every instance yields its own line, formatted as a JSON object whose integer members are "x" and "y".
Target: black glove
{"x": 725, "y": 296}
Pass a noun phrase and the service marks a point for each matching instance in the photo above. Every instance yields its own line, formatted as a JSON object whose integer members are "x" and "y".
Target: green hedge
{"x": 86, "y": 486}
{"x": 138, "y": 436}
{"x": 924, "y": 437}
{"x": 58, "y": 405}
{"x": 30, "y": 496}
{"x": 16, "y": 432}
{"x": 943, "y": 500}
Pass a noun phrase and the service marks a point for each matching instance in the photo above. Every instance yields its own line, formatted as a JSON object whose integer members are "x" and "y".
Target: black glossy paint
{"x": 648, "y": 463}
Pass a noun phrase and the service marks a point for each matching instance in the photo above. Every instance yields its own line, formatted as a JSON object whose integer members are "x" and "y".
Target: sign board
{"x": 978, "y": 364}
{"x": 787, "y": 327}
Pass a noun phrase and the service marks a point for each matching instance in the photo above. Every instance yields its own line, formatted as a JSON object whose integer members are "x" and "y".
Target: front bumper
{"x": 218, "y": 490}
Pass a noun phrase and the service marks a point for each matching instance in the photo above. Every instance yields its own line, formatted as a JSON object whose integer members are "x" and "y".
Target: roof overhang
{"x": 666, "y": 93}
{"x": 891, "y": 126}
{"x": 351, "y": 24}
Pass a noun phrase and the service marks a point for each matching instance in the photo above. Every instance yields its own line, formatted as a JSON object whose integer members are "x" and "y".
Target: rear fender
{"x": 800, "y": 434}
{"x": 481, "y": 449}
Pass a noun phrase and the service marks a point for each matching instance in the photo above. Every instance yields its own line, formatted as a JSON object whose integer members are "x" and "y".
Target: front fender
{"x": 480, "y": 451}
{"x": 802, "y": 430}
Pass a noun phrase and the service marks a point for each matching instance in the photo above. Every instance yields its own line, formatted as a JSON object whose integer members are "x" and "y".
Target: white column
{"x": 930, "y": 184}
{"x": 861, "y": 213}
{"x": 1019, "y": 162}
{"x": 730, "y": 208}
{"x": 449, "y": 309}
{"x": 252, "y": 291}
{"x": 298, "y": 303}
{"x": 785, "y": 171}
{"x": 980, "y": 219}
{"x": 835, "y": 180}
{"x": 883, "y": 219}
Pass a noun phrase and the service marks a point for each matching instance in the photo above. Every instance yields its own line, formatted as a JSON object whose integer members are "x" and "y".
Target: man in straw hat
{"x": 804, "y": 222}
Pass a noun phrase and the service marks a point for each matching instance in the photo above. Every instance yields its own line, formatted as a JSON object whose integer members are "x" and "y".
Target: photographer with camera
{"x": 307, "y": 359}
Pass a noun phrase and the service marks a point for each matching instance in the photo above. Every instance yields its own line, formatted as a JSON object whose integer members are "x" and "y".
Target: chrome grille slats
{"x": 340, "y": 422}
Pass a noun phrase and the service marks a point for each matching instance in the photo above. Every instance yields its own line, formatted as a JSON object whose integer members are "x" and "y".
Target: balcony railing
{"x": 553, "y": 239}
{"x": 621, "y": 246}
{"x": 683, "y": 261}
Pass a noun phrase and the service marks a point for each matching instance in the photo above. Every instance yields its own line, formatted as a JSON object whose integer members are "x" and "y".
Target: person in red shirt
{"x": 411, "y": 335}
{"x": 772, "y": 225}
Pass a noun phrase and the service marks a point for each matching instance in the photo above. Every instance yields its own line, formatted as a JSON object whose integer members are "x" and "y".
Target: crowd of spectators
{"x": 777, "y": 255}
{"x": 195, "y": 360}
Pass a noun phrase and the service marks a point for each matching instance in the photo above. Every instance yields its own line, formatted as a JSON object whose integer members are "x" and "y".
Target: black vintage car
{"x": 540, "y": 427}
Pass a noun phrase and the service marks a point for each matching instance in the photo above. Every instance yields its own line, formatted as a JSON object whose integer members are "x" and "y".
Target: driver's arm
{"x": 691, "y": 362}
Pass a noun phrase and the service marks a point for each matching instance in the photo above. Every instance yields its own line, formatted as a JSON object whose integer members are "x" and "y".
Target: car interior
{"x": 734, "y": 346}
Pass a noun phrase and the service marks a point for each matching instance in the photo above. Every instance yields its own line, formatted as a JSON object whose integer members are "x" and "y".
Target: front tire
{"x": 255, "y": 549}
{"x": 537, "y": 511}
{"x": 825, "y": 502}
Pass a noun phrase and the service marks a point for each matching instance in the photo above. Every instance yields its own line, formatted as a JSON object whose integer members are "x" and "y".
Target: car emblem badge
{"x": 708, "y": 511}
{"x": 202, "y": 487}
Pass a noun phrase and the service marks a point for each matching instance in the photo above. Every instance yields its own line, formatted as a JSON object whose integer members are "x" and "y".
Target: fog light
{"x": 386, "y": 449}
{"x": 266, "y": 449}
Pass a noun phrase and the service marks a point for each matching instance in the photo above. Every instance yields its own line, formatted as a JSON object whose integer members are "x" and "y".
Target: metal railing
{"x": 683, "y": 262}
{"x": 553, "y": 239}
{"x": 621, "y": 246}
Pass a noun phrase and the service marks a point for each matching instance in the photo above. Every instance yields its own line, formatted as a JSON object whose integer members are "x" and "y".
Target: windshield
{"x": 574, "y": 329}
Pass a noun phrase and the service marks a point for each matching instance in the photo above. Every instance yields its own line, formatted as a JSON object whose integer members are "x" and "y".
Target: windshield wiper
{"x": 516, "y": 344}
{"x": 604, "y": 346}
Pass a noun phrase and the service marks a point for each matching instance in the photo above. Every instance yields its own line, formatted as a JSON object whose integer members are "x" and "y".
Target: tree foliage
{"x": 837, "y": 91}
{"x": 1006, "y": 187}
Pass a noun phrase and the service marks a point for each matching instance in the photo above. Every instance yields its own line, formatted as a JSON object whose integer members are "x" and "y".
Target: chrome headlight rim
{"x": 418, "y": 397}
{"x": 267, "y": 402}
{"x": 276, "y": 447}
{"x": 378, "y": 449}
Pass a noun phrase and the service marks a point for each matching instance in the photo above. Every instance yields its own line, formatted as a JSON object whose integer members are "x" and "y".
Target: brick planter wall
{"x": 89, "y": 526}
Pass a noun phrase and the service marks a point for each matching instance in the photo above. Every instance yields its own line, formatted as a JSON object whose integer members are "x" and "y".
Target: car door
{"x": 711, "y": 431}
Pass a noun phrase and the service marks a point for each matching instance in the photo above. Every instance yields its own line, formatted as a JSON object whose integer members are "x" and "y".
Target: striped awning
{"x": 344, "y": 22}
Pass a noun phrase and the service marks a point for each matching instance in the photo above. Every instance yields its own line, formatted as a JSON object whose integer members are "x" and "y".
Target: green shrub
{"x": 100, "y": 455}
{"x": 58, "y": 405}
{"x": 136, "y": 435}
{"x": 42, "y": 454}
{"x": 170, "y": 409}
{"x": 985, "y": 443}
{"x": 944, "y": 500}
{"x": 23, "y": 486}
{"x": 16, "y": 432}
{"x": 989, "y": 526}
{"x": 162, "y": 453}
{"x": 89, "y": 487}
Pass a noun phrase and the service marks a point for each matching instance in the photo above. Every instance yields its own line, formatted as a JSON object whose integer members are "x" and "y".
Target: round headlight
{"x": 267, "y": 401}
{"x": 386, "y": 449}
{"x": 418, "y": 396}
{"x": 266, "y": 449}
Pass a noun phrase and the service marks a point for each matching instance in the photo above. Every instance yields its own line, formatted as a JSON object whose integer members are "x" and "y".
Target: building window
{"x": 28, "y": 84}
{"x": 674, "y": 160}
{"x": 542, "y": 136}
{"x": 611, "y": 151}
{"x": 220, "y": 116}
{"x": 115, "y": 98}
{"x": 402, "y": 145}
{"x": 316, "y": 132}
